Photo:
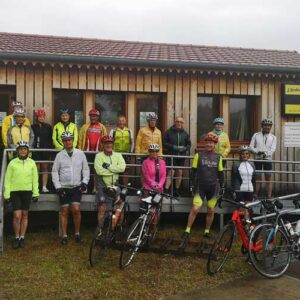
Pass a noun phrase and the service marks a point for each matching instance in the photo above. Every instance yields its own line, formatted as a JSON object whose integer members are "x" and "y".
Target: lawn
{"x": 47, "y": 270}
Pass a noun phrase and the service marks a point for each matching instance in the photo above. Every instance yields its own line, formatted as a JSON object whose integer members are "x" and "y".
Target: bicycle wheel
{"x": 134, "y": 241}
{"x": 100, "y": 242}
{"x": 269, "y": 252}
{"x": 220, "y": 249}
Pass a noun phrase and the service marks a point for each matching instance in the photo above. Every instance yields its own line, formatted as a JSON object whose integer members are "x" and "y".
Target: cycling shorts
{"x": 21, "y": 200}
{"x": 244, "y": 196}
{"x": 263, "y": 166}
{"x": 207, "y": 192}
{"x": 72, "y": 197}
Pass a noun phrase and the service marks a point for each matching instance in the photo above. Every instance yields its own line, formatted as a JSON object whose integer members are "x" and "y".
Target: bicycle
{"x": 143, "y": 231}
{"x": 105, "y": 235}
{"x": 278, "y": 244}
{"x": 223, "y": 243}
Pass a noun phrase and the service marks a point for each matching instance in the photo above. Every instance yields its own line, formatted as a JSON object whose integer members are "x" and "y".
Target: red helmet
{"x": 106, "y": 139}
{"x": 94, "y": 112}
{"x": 211, "y": 137}
{"x": 40, "y": 113}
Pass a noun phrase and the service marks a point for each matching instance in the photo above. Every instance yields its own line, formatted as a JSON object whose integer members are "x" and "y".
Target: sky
{"x": 268, "y": 24}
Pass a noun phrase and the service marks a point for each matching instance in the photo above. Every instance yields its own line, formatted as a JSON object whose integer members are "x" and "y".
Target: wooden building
{"x": 131, "y": 78}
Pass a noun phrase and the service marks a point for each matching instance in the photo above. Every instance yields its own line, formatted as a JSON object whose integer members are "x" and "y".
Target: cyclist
{"x": 70, "y": 176}
{"x": 9, "y": 121}
{"x": 148, "y": 135}
{"x": 123, "y": 142}
{"x": 176, "y": 142}
{"x": 154, "y": 170}
{"x": 63, "y": 126}
{"x": 207, "y": 173}
{"x": 223, "y": 146}
{"x": 243, "y": 176}
{"x": 108, "y": 164}
{"x": 263, "y": 144}
{"x": 90, "y": 134}
{"x": 20, "y": 187}
{"x": 19, "y": 131}
{"x": 42, "y": 140}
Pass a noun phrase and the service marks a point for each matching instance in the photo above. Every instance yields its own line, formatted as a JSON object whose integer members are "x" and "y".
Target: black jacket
{"x": 176, "y": 137}
{"x": 42, "y": 136}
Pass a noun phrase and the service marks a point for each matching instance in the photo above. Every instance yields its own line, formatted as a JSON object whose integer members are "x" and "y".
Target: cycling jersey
{"x": 207, "y": 168}
{"x": 154, "y": 174}
{"x": 18, "y": 133}
{"x": 90, "y": 137}
{"x": 243, "y": 176}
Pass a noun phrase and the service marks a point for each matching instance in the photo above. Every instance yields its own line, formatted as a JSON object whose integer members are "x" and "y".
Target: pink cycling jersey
{"x": 154, "y": 174}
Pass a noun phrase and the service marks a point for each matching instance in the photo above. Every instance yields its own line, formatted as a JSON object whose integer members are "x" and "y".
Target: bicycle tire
{"x": 100, "y": 242}
{"x": 133, "y": 243}
{"x": 222, "y": 245}
{"x": 269, "y": 255}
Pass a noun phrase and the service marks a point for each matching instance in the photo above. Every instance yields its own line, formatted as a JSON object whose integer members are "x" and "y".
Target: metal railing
{"x": 287, "y": 180}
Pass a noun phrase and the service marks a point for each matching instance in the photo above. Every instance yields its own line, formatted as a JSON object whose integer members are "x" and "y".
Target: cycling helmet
{"x": 266, "y": 122}
{"x": 94, "y": 112}
{"x": 67, "y": 135}
{"x": 22, "y": 144}
{"x": 64, "y": 111}
{"x": 244, "y": 148}
{"x": 211, "y": 138}
{"x": 40, "y": 113}
{"x": 19, "y": 112}
{"x": 153, "y": 147}
{"x": 17, "y": 103}
{"x": 218, "y": 120}
{"x": 152, "y": 116}
{"x": 107, "y": 139}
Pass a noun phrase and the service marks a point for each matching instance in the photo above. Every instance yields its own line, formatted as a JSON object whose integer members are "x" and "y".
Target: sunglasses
{"x": 153, "y": 151}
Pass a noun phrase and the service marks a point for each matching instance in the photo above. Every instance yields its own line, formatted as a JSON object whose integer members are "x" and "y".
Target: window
{"x": 207, "y": 111}
{"x": 110, "y": 105}
{"x": 242, "y": 115}
{"x": 148, "y": 103}
{"x": 71, "y": 100}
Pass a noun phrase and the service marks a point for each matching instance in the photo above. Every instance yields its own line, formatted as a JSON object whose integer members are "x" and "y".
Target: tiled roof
{"x": 140, "y": 51}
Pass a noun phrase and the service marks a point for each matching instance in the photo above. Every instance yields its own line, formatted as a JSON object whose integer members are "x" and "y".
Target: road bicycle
{"x": 238, "y": 224}
{"x": 279, "y": 244}
{"x": 143, "y": 231}
{"x": 105, "y": 235}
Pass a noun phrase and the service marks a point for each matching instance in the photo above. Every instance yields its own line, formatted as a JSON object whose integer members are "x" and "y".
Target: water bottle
{"x": 297, "y": 229}
{"x": 289, "y": 227}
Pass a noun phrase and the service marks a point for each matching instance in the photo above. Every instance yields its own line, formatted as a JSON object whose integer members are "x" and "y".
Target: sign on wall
{"x": 292, "y": 134}
{"x": 291, "y": 99}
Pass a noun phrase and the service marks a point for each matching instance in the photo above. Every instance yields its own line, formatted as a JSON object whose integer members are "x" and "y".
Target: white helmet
{"x": 152, "y": 116}
{"x": 17, "y": 103}
{"x": 19, "y": 112}
{"x": 266, "y": 122}
{"x": 153, "y": 147}
{"x": 67, "y": 135}
{"x": 22, "y": 144}
{"x": 244, "y": 148}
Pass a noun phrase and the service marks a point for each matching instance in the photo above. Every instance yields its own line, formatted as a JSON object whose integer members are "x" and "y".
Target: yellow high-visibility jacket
{"x": 58, "y": 129}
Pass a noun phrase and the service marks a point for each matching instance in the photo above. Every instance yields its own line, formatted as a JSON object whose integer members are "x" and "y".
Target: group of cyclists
{"x": 71, "y": 173}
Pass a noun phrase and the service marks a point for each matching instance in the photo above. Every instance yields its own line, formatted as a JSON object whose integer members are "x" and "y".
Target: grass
{"x": 46, "y": 270}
